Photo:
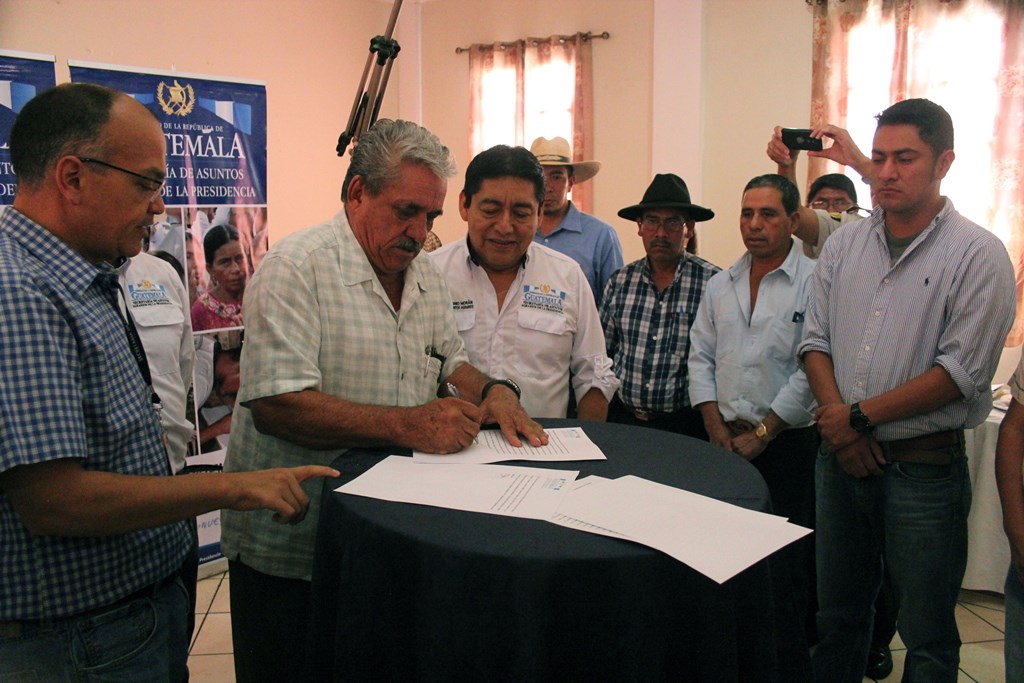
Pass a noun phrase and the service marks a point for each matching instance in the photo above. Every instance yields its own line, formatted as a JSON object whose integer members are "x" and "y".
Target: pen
{"x": 453, "y": 391}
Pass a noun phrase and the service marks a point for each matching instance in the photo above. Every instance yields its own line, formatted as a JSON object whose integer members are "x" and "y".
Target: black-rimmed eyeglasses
{"x": 154, "y": 185}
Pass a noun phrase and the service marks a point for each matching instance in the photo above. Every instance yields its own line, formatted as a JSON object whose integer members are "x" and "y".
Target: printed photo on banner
{"x": 222, "y": 245}
{"x": 217, "y": 377}
{"x": 23, "y": 75}
{"x": 214, "y": 227}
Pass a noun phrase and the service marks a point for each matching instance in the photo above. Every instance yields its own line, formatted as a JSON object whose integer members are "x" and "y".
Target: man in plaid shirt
{"x": 648, "y": 307}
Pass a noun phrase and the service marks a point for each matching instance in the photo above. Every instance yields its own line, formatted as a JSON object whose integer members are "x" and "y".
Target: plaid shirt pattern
{"x": 70, "y": 388}
{"x": 317, "y": 317}
{"x": 647, "y": 333}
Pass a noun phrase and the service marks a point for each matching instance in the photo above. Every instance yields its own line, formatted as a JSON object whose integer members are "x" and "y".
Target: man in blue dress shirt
{"x": 589, "y": 241}
{"x": 750, "y": 390}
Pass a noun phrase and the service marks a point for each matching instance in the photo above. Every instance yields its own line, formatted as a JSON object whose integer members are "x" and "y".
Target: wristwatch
{"x": 506, "y": 382}
{"x": 762, "y": 432}
{"x": 859, "y": 421}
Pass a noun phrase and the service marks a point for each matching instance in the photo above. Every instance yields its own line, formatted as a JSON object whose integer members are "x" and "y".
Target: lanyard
{"x": 116, "y": 299}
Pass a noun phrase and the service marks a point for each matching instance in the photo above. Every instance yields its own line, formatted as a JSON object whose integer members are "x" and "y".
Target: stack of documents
{"x": 715, "y": 538}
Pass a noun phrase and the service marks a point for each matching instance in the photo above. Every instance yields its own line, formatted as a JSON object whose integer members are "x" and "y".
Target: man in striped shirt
{"x": 907, "y": 315}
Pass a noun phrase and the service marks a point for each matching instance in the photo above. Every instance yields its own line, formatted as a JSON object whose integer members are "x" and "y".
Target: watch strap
{"x": 859, "y": 421}
{"x": 506, "y": 382}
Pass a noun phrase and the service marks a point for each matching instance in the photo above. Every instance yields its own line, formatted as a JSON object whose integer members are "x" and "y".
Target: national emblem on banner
{"x": 177, "y": 99}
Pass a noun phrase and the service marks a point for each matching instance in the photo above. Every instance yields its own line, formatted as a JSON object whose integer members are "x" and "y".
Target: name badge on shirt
{"x": 543, "y": 297}
{"x": 147, "y": 293}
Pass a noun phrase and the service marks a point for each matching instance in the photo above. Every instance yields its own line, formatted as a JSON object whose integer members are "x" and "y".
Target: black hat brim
{"x": 694, "y": 212}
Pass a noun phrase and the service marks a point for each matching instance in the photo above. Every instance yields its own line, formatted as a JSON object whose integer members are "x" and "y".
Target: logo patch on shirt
{"x": 463, "y": 305}
{"x": 147, "y": 293}
{"x": 543, "y": 297}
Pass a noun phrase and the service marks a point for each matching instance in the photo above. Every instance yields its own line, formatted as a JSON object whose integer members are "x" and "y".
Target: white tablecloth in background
{"x": 988, "y": 551}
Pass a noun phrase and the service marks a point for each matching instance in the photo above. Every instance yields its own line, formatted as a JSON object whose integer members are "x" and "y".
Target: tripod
{"x": 366, "y": 108}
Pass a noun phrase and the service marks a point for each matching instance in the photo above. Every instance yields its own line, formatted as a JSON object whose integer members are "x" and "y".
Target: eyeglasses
{"x": 671, "y": 225}
{"x": 837, "y": 204}
{"x": 154, "y": 185}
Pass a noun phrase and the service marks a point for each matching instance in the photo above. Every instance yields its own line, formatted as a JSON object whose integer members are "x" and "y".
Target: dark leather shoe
{"x": 879, "y": 662}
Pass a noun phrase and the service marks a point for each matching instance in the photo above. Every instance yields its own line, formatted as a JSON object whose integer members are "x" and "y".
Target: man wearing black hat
{"x": 648, "y": 307}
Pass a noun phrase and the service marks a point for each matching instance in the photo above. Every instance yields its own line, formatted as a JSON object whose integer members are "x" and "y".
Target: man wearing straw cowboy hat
{"x": 589, "y": 241}
{"x": 648, "y": 308}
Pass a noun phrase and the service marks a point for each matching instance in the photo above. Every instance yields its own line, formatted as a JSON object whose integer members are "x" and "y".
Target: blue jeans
{"x": 140, "y": 640}
{"x": 918, "y": 514}
{"x": 1013, "y": 645}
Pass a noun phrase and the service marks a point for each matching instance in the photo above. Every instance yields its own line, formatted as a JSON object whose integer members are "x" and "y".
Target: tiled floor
{"x": 979, "y": 615}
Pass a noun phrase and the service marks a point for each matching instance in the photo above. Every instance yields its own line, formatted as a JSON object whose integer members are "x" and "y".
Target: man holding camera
{"x": 831, "y": 202}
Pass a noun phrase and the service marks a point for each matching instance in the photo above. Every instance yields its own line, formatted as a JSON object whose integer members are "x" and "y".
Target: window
{"x": 533, "y": 88}
{"x": 968, "y": 56}
{"x": 963, "y": 81}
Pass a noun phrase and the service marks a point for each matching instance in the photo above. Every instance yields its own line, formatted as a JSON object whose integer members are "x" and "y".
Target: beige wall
{"x": 758, "y": 74}
{"x": 310, "y": 54}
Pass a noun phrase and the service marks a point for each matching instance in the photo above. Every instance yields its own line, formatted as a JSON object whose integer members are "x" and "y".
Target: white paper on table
{"x": 527, "y": 492}
{"x": 573, "y": 523}
{"x": 717, "y": 539}
{"x": 564, "y": 444}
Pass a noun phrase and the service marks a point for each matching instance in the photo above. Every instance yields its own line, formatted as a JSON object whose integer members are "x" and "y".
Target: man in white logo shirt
{"x": 524, "y": 311}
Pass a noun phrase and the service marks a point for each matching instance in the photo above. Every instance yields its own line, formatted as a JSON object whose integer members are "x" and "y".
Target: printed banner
{"x": 216, "y": 131}
{"x": 23, "y": 75}
{"x": 214, "y": 226}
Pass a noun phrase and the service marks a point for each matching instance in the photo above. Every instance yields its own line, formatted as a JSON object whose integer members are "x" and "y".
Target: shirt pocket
{"x": 160, "y": 327}
{"x": 541, "y": 350}
{"x": 784, "y": 334}
{"x": 465, "y": 319}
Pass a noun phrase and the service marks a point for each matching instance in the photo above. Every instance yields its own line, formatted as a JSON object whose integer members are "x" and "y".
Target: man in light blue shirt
{"x": 589, "y": 241}
{"x": 750, "y": 390}
{"x": 907, "y": 315}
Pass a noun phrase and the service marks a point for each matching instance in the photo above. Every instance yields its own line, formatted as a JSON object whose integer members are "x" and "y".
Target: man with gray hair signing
{"x": 349, "y": 335}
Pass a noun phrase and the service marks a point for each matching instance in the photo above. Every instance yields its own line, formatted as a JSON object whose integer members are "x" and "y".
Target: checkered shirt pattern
{"x": 317, "y": 317}
{"x": 647, "y": 333}
{"x": 70, "y": 388}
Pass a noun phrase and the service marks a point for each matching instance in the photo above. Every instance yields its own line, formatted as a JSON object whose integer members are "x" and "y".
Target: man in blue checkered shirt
{"x": 91, "y": 523}
{"x": 648, "y": 307}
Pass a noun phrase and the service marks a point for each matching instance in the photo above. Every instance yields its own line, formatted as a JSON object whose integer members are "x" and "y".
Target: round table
{"x": 412, "y": 592}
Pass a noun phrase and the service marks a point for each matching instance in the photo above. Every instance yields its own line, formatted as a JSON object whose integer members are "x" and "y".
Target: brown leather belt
{"x": 929, "y": 449}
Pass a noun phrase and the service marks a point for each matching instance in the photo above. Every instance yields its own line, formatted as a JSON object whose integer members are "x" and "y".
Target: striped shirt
{"x": 948, "y": 301}
{"x": 70, "y": 388}
{"x": 317, "y": 317}
{"x": 647, "y": 332}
